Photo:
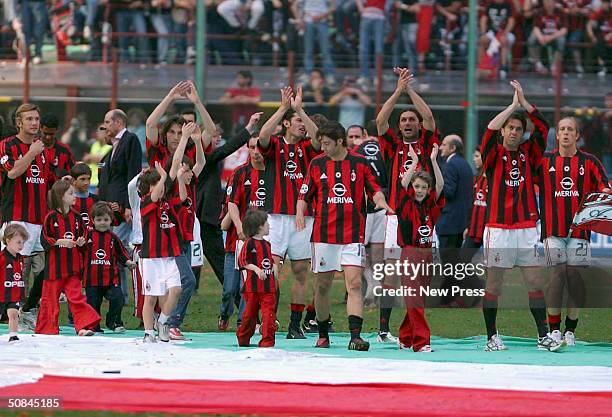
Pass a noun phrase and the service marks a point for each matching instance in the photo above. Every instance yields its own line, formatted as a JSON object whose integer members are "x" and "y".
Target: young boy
{"x": 161, "y": 244}
{"x": 103, "y": 253}
{"x": 11, "y": 275}
{"x": 419, "y": 209}
{"x": 259, "y": 280}
{"x": 81, "y": 173}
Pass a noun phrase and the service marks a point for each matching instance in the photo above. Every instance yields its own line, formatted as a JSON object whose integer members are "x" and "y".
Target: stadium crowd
{"x": 311, "y": 192}
{"x": 421, "y": 34}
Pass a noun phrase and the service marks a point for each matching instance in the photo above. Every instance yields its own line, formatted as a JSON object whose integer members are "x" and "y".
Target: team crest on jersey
{"x": 353, "y": 175}
{"x": 304, "y": 189}
{"x": 148, "y": 286}
{"x": 229, "y": 190}
{"x": 56, "y": 161}
{"x": 300, "y": 153}
{"x": 4, "y": 159}
{"x": 581, "y": 170}
{"x": 522, "y": 156}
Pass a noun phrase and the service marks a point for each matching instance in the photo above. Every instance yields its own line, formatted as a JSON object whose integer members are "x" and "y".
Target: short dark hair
{"x": 186, "y": 160}
{"x": 252, "y": 221}
{"x": 188, "y": 111}
{"x": 176, "y": 119}
{"x": 79, "y": 169}
{"x": 371, "y": 128}
{"x": 288, "y": 115}
{"x": 49, "y": 120}
{"x": 333, "y": 130}
{"x": 424, "y": 176}
{"x": 148, "y": 179}
{"x": 355, "y": 126}
{"x": 100, "y": 209}
{"x": 319, "y": 119}
{"x": 517, "y": 115}
{"x": 412, "y": 110}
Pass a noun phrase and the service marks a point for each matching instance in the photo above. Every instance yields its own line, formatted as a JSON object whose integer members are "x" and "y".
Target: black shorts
{"x": 5, "y": 306}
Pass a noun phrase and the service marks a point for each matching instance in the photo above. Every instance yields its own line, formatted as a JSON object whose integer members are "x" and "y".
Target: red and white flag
{"x": 595, "y": 214}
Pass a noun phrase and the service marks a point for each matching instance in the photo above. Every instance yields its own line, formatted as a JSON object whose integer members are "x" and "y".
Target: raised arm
{"x": 382, "y": 119}
{"x": 200, "y": 161}
{"x": 311, "y": 127}
{"x": 437, "y": 173}
{"x": 428, "y": 120}
{"x": 182, "y": 172}
{"x": 499, "y": 120}
{"x": 207, "y": 121}
{"x": 411, "y": 170}
{"x": 175, "y": 93}
{"x": 177, "y": 158}
{"x": 158, "y": 190}
{"x": 274, "y": 120}
{"x": 518, "y": 89}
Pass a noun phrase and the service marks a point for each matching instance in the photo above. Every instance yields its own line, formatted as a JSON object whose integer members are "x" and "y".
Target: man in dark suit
{"x": 455, "y": 217}
{"x": 116, "y": 170}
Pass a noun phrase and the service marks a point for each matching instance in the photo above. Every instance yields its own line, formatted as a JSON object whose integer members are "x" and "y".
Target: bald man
{"x": 455, "y": 217}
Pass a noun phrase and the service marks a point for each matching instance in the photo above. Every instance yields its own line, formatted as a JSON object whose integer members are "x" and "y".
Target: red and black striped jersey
{"x": 25, "y": 197}
{"x": 83, "y": 205}
{"x": 13, "y": 285}
{"x": 564, "y": 182}
{"x": 160, "y": 153}
{"x": 511, "y": 178}
{"x": 62, "y": 262}
{"x": 286, "y": 167}
{"x": 248, "y": 188}
{"x": 479, "y": 207}
{"x": 259, "y": 253}
{"x": 161, "y": 230}
{"x": 416, "y": 220}
{"x": 187, "y": 219}
{"x": 337, "y": 191}
{"x": 60, "y": 157}
{"x": 370, "y": 150}
{"x": 397, "y": 160}
{"x": 103, "y": 252}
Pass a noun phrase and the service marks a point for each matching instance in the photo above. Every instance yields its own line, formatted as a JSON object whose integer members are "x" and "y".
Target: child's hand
{"x": 261, "y": 274}
{"x": 160, "y": 170}
{"x": 188, "y": 129}
{"x": 182, "y": 173}
{"x": 197, "y": 134}
{"x": 80, "y": 241}
{"x": 114, "y": 206}
{"x": 434, "y": 152}
{"x": 131, "y": 265}
{"x": 413, "y": 155}
{"x": 65, "y": 243}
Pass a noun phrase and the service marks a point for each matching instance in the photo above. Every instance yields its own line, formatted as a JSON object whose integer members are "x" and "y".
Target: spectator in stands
{"x": 549, "y": 30}
{"x": 162, "y": 23}
{"x": 449, "y": 25}
{"x": 496, "y": 26}
{"x": 352, "y": 102}
{"x": 34, "y": 18}
{"x": 131, "y": 18}
{"x": 316, "y": 92}
{"x": 599, "y": 30}
{"x": 136, "y": 124}
{"x": 311, "y": 17}
{"x": 244, "y": 98}
{"x": 408, "y": 26}
{"x": 371, "y": 28}
{"x": 99, "y": 148}
{"x": 577, "y": 12}
{"x": 181, "y": 11}
{"x": 242, "y": 14}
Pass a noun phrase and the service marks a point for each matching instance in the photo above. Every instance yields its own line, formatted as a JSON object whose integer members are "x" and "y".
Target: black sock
{"x": 310, "y": 313}
{"x": 296, "y": 315}
{"x": 385, "y": 316}
{"x": 355, "y": 324}
{"x": 489, "y": 310}
{"x": 537, "y": 305}
{"x": 323, "y": 327}
{"x": 570, "y": 325}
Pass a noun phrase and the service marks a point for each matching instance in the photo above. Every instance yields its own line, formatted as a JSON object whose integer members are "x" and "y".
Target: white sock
{"x": 11, "y": 334}
{"x": 162, "y": 318}
{"x": 150, "y": 332}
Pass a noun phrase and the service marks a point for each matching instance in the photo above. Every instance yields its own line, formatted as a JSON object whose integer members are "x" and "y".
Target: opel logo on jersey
{"x": 266, "y": 264}
{"x": 290, "y": 167}
{"x": 407, "y": 163}
{"x": 567, "y": 183}
{"x": 339, "y": 189}
{"x": 16, "y": 276}
{"x": 260, "y": 193}
{"x": 68, "y": 235}
{"x": 424, "y": 230}
{"x": 371, "y": 149}
{"x": 100, "y": 254}
{"x": 35, "y": 171}
{"x": 164, "y": 217}
{"x": 515, "y": 173}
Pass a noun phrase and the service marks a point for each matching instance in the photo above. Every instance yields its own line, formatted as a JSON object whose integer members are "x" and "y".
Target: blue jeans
{"x": 407, "y": 39}
{"x": 320, "y": 30}
{"x": 34, "y": 22}
{"x": 231, "y": 287}
{"x": 188, "y": 282}
{"x": 181, "y": 42}
{"x": 91, "y": 10}
{"x": 123, "y": 232}
{"x": 370, "y": 29}
{"x": 163, "y": 26}
{"x": 133, "y": 19}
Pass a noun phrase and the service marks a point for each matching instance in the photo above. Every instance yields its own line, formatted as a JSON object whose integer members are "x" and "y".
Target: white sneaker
{"x": 36, "y": 61}
{"x": 86, "y": 332}
{"x": 258, "y": 328}
{"x": 602, "y": 72}
{"x": 425, "y": 349}
{"x": 149, "y": 338}
{"x": 550, "y": 344}
{"x": 163, "y": 332}
{"x": 556, "y": 335}
{"x": 386, "y": 337}
{"x": 87, "y": 33}
{"x": 495, "y": 343}
{"x": 119, "y": 329}
{"x": 569, "y": 338}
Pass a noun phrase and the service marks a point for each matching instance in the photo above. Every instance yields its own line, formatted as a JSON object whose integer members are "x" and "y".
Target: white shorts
{"x": 574, "y": 252}
{"x": 33, "y": 243}
{"x": 159, "y": 275}
{"x": 197, "y": 257}
{"x": 239, "y": 245}
{"x": 328, "y": 257}
{"x": 507, "y": 248}
{"x": 375, "y": 227}
{"x": 392, "y": 249}
{"x": 285, "y": 240}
